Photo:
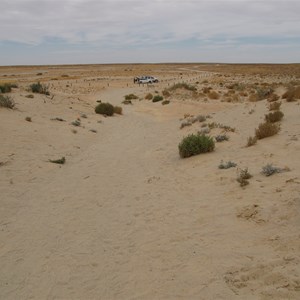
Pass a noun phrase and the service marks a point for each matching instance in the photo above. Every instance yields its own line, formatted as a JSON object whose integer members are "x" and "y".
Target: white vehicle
{"x": 146, "y": 79}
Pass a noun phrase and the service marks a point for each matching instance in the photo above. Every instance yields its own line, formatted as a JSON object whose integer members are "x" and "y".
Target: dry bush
{"x": 292, "y": 94}
{"x": 274, "y": 106}
{"x": 149, "y": 96}
{"x": 166, "y": 93}
{"x": 243, "y": 177}
{"x": 213, "y": 95}
{"x": 118, "y": 110}
{"x": 206, "y": 90}
{"x": 6, "y": 101}
{"x": 266, "y": 129}
{"x": 273, "y": 98}
{"x": 274, "y": 117}
{"x": 251, "y": 141}
{"x": 253, "y": 97}
{"x": 182, "y": 85}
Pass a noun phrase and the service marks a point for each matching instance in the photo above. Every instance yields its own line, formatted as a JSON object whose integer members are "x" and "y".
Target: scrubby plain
{"x": 97, "y": 207}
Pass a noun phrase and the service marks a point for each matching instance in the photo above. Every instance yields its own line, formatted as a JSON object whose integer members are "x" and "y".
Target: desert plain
{"x": 125, "y": 217}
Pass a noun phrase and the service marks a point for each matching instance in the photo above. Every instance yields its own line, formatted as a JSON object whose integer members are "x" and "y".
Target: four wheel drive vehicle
{"x": 146, "y": 79}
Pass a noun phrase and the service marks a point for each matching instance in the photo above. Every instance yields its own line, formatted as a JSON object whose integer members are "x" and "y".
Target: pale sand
{"x": 126, "y": 217}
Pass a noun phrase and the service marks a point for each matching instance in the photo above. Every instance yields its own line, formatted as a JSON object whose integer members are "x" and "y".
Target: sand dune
{"x": 125, "y": 217}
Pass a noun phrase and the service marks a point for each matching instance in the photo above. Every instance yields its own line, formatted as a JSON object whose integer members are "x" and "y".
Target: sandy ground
{"x": 125, "y": 217}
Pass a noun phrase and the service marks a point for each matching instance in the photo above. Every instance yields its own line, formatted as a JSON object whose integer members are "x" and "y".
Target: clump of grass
{"x": 243, "y": 177}
{"x": 183, "y": 85}
{"x": 274, "y": 106}
{"x": 6, "y": 101}
{"x": 266, "y": 129}
{"x": 157, "y": 98}
{"x": 60, "y": 161}
{"x": 274, "y": 117}
{"x": 252, "y": 140}
{"x": 149, "y": 96}
{"x": 221, "y": 137}
{"x": 118, "y": 110}
{"x": 165, "y": 102}
{"x": 131, "y": 97}
{"x": 28, "y": 119}
{"x": 104, "y": 109}
{"x": 269, "y": 170}
{"x": 39, "y": 88}
{"x": 227, "y": 165}
{"x": 292, "y": 94}
{"x": 195, "y": 144}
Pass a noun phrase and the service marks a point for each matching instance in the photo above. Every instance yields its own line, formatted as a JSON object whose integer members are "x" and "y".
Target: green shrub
{"x": 131, "y": 97}
{"x": 194, "y": 144}
{"x": 104, "y": 109}
{"x": 275, "y": 116}
{"x": 157, "y": 98}
{"x": 39, "y": 88}
{"x": 5, "y": 88}
{"x": 149, "y": 96}
{"x": 266, "y": 129}
{"x": 6, "y": 101}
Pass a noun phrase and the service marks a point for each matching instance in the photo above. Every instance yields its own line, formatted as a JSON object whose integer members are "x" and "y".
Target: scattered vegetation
{"x": 219, "y": 125}
{"x": 6, "y": 101}
{"x": 274, "y": 117}
{"x": 105, "y": 109}
{"x": 39, "y": 88}
{"x": 266, "y": 129}
{"x": 252, "y": 140}
{"x": 182, "y": 85}
{"x": 227, "y": 165}
{"x": 60, "y": 161}
{"x": 194, "y": 144}
{"x": 157, "y": 98}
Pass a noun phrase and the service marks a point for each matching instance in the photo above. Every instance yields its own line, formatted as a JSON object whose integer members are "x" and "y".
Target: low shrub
{"x": 118, "y": 110}
{"x": 213, "y": 95}
{"x": 39, "y": 88}
{"x": 6, "y": 101}
{"x": 166, "y": 93}
{"x": 28, "y": 119}
{"x": 149, "y": 96}
{"x": 274, "y": 117}
{"x": 30, "y": 96}
{"x": 292, "y": 94}
{"x": 243, "y": 177}
{"x": 251, "y": 141}
{"x": 60, "y": 161}
{"x": 269, "y": 170}
{"x": 227, "y": 165}
{"x": 274, "y": 106}
{"x": 5, "y": 88}
{"x": 266, "y": 129}
{"x": 194, "y": 144}
{"x": 131, "y": 97}
{"x": 165, "y": 102}
{"x": 105, "y": 109}
{"x": 157, "y": 98}
{"x": 221, "y": 137}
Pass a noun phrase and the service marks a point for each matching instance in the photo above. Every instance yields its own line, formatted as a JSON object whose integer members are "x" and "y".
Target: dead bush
{"x": 266, "y": 129}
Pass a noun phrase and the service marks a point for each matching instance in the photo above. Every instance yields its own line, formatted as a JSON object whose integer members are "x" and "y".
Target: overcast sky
{"x": 128, "y": 31}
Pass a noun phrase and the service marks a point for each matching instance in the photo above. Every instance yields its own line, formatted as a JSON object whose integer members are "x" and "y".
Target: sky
{"x": 39, "y": 32}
